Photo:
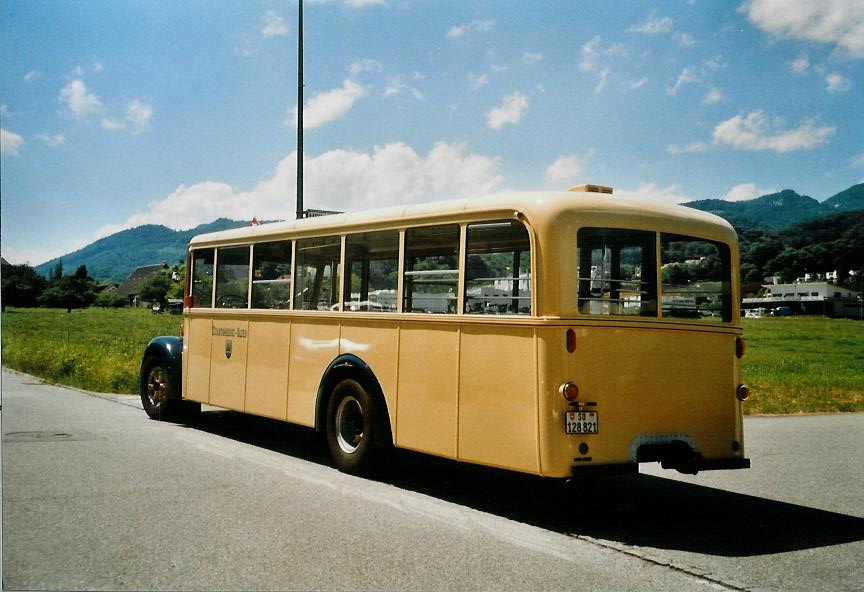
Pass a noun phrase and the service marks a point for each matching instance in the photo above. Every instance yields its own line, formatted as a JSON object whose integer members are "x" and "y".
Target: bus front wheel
{"x": 349, "y": 427}
{"x": 157, "y": 389}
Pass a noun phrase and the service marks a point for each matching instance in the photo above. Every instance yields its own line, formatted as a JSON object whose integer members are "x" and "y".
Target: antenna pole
{"x": 300, "y": 113}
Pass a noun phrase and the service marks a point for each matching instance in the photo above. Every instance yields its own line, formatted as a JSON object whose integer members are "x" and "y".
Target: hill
{"x": 114, "y": 257}
{"x": 781, "y": 210}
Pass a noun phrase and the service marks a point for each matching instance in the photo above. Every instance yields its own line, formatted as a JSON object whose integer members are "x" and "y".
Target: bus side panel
{"x": 498, "y": 398}
{"x": 196, "y": 358}
{"x": 228, "y": 349}
{"x": 428, "y": 388}
{"x": 267, "y": 368}
{"x": 375, "y": 344}
{"x": 314, "y": 344}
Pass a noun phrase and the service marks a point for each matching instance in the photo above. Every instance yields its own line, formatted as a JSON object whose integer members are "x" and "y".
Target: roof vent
{"x": 586, "y": 188}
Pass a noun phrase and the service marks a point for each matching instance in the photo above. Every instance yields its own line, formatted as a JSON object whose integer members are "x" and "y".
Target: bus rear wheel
{"x": 349, "y": 427}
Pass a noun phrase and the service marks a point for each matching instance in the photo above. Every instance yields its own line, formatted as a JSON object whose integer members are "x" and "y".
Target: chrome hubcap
{"x": 349, "y": 424}
{"x": 156, "y": 386}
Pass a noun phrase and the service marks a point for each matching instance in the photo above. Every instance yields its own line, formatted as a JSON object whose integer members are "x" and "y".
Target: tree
{"x": 109, "y": 299}
{"x": 21, "y": 286}
{"x": 71, "y": 291}
{"x": 155, "y": 288}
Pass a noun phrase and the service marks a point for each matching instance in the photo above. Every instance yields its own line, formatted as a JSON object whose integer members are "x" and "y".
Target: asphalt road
{"x": 97, "y": 496}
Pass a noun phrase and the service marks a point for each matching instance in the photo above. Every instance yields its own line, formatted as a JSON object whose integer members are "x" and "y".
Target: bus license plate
{"x": 581, "y": 422}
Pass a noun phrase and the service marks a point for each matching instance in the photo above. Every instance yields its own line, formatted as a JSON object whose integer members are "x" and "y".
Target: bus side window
{"x": 617, "y": 272}
{"x": 431, "y": 269}
{"x": 202, "y": 278}
{"x": 498, "y": 269}
{"x": 271, "y": 275}
{"x": 232, "y": 277}
{"x": 317, "y": 269}
{"x": 372, "y": 269}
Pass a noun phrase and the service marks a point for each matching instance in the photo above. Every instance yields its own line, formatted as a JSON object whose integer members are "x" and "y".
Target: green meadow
{"x": 793, "y": 364}
{"x": 95, "y": 349}
{"x": 804, "y": 365}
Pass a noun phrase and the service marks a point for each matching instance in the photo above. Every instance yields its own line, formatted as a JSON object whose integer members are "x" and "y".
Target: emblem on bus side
{"x": 228, "y": 345}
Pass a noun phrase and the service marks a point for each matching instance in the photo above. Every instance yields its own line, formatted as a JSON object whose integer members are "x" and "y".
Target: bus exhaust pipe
{"x": 676, "y": 455}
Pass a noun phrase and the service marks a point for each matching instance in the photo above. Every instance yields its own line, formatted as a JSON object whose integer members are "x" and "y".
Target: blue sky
{"x": 116, "y": 114}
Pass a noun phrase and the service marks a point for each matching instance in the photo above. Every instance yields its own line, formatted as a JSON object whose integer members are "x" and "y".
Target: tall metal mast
{"x": 300, "y": 113}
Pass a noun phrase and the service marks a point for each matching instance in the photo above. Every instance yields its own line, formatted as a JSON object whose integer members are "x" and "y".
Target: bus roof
{"x": 537, "y": 207}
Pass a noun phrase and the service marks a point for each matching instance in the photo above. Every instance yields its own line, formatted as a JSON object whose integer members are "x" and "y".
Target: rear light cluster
{"x": 570, "y": 392}
{"x": 740, "y": 347}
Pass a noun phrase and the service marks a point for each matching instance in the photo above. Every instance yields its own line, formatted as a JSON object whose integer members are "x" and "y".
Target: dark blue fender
{"x": 350, "y": 366}
{"x": 170, "y": 349}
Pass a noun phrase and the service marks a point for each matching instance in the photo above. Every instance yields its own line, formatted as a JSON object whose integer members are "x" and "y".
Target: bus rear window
{"x": 617, "y": 272}
{"x": 696, "y": 279}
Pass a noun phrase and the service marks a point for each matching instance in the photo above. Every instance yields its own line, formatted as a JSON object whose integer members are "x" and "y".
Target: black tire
{"x": 350, "y": 426}
{"x": 158, "y": 394}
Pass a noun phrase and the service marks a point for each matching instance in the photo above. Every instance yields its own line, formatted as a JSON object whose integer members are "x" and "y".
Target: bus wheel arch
{"x": 346, "y": 378}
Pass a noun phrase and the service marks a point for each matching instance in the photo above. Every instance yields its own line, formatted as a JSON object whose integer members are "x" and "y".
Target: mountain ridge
{"x": 115, "y": 257}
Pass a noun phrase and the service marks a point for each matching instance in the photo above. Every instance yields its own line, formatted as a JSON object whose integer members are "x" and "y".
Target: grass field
{"x": 804, "y": 365}
{"x": 95, "y": 349}
{"x": 793, "y": 364}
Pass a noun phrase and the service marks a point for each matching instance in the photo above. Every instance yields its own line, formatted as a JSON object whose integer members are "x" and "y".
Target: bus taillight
{"x": 187, "y": 301}
{"x": 740, "y": 347}
{"x": 570, "y": 391}
{"x": 571, "y": 340}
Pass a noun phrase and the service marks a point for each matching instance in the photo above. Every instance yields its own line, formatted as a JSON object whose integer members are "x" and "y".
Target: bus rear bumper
{"x": 714, "y": 464}
{"x": 721, "y": 464}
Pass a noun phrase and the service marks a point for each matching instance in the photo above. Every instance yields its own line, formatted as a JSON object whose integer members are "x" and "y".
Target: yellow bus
{"x": 552, "y": 333}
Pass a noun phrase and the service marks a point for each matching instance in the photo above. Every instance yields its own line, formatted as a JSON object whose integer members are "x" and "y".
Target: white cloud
{"x": 363, "y": 3}
{"x": 531, "y": 57}
{"x": 564, "y": 172}
{"x": 339, "y": 179}
{"x": 594, "y": 58}
{"x": 653, "y": 25}
{"x": 79, "y": 102}
{"x": 34, "y": 257}
{"x": 473, "y": 26}
{"x": 652, "y": 191}
{"x": 745, "y": 191}
{"x": 395, "y": 86}
{"x": 800, "y": 64}
{"x": 588, "y": 54}
{"x": 692, "y": 147}
{"x": 638, "y": 83}
{"x": 328, "y": 106}
{"x": 837, "y": 83}
{"x": 10, "y": 142}
{"x": 687, "y": 76}
{"x": 713, "y": 96}
{"x": 274, "y": 24}
{"x": 477, "y": 82}
{"x": 138, "y": 115}
{"x": 755, "y": 131}
{"x": 112, "y": 124}
{"x": 603, "y": 76}
{"x": 4, "y": 110}
{"x": 857, "y": 161}
{"x": 510, "y": 110}
{"x": 364, "y": 65}
{"x": 32, "y": 75}
{"x": 55, "y": 140}
{"x": 838, "y": 22}
{"x": 247, "y": 52}
{"x": 136, "y": 120}
{"x": 684, "y": 39}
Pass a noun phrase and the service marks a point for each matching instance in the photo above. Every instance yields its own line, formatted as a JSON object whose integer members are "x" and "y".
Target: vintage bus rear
{"x": 645, "y": 342}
